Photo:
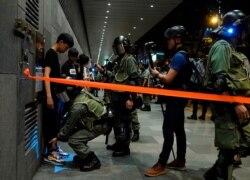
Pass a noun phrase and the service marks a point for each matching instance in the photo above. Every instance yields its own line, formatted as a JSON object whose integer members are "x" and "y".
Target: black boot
{"x": 121, "y": 152}
{"x": 135, "y": 136}
{"x": 77, "y": 160}
{"x": 90, "y": 163}
{"x": 215, "y": 172}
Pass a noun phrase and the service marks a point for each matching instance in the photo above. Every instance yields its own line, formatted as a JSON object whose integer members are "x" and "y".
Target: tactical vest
{"x": 95, "y": 106}
{"x": 126, "y": 66}
{"x": 229, "y": 134}
{"x": 239, "y": 74}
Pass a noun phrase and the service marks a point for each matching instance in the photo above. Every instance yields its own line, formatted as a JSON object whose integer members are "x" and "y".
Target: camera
{"x": 150, "y": 46}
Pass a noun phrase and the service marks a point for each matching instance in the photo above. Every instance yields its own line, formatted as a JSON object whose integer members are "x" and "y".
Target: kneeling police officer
{"x": 87, "y": 120}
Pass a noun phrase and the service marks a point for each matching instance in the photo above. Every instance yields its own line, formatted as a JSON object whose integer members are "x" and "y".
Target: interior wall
{"x": 17, "y": 91}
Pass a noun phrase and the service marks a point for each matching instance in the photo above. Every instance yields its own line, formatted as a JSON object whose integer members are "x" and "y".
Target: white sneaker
{"x": 61, "y": 153}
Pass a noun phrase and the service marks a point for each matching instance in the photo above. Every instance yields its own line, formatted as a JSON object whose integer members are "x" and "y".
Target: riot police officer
{"x": 227, "y": 72}
{"x": 123, "y": 103}
{"x": 87, "y": 119}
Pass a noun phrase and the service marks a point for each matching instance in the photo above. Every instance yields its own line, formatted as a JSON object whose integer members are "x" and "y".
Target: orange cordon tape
{"x": 144, "y": 90}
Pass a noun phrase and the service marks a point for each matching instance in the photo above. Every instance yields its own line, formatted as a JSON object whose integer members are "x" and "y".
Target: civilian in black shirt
{"x": 50, "y": 119}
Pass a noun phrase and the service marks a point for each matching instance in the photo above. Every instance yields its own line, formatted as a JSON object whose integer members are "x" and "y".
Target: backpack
{"x": 195, "y": 82}
{"x": 198, "y": 73}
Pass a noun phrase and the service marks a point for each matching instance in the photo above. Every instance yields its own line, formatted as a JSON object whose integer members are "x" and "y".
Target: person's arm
{"x": 50, "y": 103}
{"x": 165, "y": 78}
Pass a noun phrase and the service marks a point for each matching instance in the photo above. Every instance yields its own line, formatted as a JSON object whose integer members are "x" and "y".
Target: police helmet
{"x": 73, "y": 52}
{"x": 230, "y": 23}
{"x": 121, "y": 45}
{"x": 175, "y": 31}
{"x": 232, "y": 16}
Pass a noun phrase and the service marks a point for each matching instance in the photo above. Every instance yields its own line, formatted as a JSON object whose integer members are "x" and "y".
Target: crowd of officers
{"x": 227, "y": 72}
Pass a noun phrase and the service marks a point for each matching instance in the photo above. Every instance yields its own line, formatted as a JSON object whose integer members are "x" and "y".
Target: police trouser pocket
{"x": 226, "y": 133}
{"x": 245, "y": 138}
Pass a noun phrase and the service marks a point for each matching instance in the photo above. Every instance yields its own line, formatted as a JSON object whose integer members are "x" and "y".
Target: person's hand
{"x": 53, "y": 141}
{"x": 99, "y": 68}
{"x": 50, "y": 103}
{"x": 154, "y": 72}
{"x": 129, "y": 104}
{"x": 241, "y": 111}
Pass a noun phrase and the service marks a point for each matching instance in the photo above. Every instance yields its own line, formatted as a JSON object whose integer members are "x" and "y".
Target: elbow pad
{"x": 219, "y": 83}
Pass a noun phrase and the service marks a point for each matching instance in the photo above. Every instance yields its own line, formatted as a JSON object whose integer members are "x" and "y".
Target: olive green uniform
{"x": 85, "y": 123}
{"x": 229, "y": 130}
{"x": 126, "y": 72}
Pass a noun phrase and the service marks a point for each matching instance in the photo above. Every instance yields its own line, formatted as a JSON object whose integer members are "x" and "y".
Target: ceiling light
{"x": 109, "y": 4}
{"x": 141, "y": 19}
{"x": 151, "y": 5}
{"x": 106, "y": 17}
{"x": 129, "y": 34}
{"x": 134, "y": 27}
{"x": 105, "y": 22}
{"x": 107, "y": 11}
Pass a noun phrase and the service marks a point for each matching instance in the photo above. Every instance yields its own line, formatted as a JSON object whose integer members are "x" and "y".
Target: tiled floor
{"x": 201, "y": 154}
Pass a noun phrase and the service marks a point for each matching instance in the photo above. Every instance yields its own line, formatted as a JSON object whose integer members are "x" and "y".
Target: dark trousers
{"x": 204, "y": 107}
{"x": 51, "y": 122}
{"x": 121, "y": 124}
{"x": 173, "y": 123}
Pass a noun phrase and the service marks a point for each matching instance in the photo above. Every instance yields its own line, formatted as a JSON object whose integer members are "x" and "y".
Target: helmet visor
{"x": 118, "y": 49}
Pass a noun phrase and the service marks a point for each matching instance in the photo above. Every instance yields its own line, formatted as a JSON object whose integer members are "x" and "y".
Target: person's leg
{"x": 204, "y": 109}
{"x": 146, "y": 102}
{"x": 168, "y": 134}
{"x": 160, "y": 167}
{"x": 223, "y": 167}
{"x": 180, "y": 161}
{"x": 135, "y": 125}
{"x": 85, "y": 158}
{"x": 195, "y": 109}
{"x": 122, "y": 128}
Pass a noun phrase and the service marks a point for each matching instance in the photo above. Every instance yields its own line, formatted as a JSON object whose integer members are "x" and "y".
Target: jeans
{"x": 173, "y": 123}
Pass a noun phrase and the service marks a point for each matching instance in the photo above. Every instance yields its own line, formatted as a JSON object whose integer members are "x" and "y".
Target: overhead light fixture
{"x": 109, "y": 4}
{"x": 107, "y": 11}
{"x": 105, "y": 22}
{"x": 151, "y": 5}
{"x": 141, "y": 19}
{"x": 129, "y": 34}
{"x": 106, "y": 17}
{"x": 134, "y": 27}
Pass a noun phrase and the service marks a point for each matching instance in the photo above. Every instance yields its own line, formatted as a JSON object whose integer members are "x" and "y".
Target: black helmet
{"x": 230, "y": 23}
{"x": 232, "y": 16}
{"x": 121, "y": 40}
{"x": 175, "y": 31}
{"x": 73, "y": 52}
